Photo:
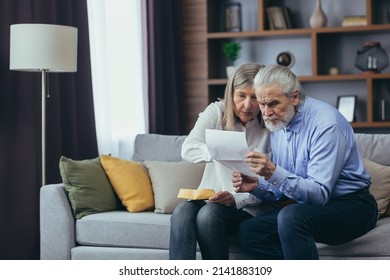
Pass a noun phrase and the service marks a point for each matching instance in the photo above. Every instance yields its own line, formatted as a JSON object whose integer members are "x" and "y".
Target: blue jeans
{"x": 209, "y": 224}
{"x": 292, "y": 232}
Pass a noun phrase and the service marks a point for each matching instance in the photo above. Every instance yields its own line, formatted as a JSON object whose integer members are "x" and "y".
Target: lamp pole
{"x": 43, "y": 127}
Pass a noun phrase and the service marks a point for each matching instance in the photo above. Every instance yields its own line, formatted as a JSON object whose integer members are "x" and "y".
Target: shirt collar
{"x": 296, "y": 123}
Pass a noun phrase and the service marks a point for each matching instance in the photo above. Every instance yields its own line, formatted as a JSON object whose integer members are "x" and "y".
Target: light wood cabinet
{"x": 316, "y": 51}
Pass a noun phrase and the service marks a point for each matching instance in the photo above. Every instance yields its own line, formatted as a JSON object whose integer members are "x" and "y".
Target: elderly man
{"x": 315, "y": 163}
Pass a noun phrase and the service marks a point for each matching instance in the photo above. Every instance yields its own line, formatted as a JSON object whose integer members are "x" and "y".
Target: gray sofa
{"x": 120, "y": 234}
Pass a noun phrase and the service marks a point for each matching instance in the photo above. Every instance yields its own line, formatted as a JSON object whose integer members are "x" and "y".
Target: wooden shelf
{"x": 259, "y": 34}
{"x": 384, "y": 124}
{"x": 345, "y": 77}
{"x": 319, "y": 78}
{"x": 295, "y": 32}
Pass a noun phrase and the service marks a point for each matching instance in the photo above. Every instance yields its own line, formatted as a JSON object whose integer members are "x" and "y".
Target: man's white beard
{"x": 280, "y": 123}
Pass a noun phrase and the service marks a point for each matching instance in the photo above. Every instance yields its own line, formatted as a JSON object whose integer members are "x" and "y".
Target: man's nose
{"x": 266, "y": 111}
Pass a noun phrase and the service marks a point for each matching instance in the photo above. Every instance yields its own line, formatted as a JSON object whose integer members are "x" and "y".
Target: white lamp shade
{"x": 36, "y": 47}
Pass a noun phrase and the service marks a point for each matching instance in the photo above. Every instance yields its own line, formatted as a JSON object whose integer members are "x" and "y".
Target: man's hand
{"x": 225, "y": 198}
{"x": 260, "y": 164}
{"x": 243, "y": 183}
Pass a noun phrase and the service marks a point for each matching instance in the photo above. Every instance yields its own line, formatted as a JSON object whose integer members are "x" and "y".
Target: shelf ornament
{"x": 371, "y": 58}
{"x": 286, "y": 59}
{"x": 318, "y": 18}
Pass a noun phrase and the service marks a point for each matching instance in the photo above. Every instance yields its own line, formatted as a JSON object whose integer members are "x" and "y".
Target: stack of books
{"x": 354, "y": 21}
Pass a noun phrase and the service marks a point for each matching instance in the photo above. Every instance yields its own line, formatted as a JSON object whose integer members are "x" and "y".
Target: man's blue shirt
{"x": 316, "y": 156}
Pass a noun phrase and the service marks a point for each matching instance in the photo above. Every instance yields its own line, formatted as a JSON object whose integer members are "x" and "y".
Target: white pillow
{"x": 168, "y": 178}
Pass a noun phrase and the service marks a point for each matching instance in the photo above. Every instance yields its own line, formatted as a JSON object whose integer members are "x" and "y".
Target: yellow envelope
{"x": 199, "y": 194}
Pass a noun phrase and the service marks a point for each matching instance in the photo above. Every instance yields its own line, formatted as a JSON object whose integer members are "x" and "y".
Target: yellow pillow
{"x": 130, "y": 182}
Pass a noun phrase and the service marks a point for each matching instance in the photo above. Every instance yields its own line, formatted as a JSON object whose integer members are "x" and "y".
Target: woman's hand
{"x": 225, "y": 198}
{"x": 260, "y": 164}
{"x": 243, "y": 183}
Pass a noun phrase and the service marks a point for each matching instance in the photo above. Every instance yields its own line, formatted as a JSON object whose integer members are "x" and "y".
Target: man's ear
{"x": 295, "y": 97}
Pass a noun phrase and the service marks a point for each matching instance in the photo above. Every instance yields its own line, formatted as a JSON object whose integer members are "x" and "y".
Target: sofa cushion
{"x": 130, "y": 182}
{"x": 168, "y": 178}
{"x": 118, "y": 253}
{"x": 144, "y": 230}
{"x": 369, "y": 245}
{"x": 124, "y": 229}
{"x": 87, "y": 185}
{"x": 374, "y": 147}
{"x": 380, "y": 184}
{"x": 158, "y": 147}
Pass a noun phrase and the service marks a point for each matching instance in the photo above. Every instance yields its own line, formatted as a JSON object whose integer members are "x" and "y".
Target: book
{"x": 287, "y": 17}
{"x": 276, "y": 18}
{"x": 345, "y": 24}
{"x": 355, "y": 17}
{"x": 354, "y": 21}
{"x": 197, "y": 194}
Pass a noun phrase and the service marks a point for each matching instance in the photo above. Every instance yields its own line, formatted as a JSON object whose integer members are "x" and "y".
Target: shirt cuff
{"x": 274, "y": 183}
{"x": 262, "y": 194}
{"x": 277, "y": 181}
{"x": 244, "y": 199}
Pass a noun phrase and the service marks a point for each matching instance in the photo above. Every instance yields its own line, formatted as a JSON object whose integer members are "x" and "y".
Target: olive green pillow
{"x": 88, "y": 187}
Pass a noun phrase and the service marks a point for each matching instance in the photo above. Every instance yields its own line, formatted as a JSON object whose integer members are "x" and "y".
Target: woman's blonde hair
{"x": 243, "y": 76}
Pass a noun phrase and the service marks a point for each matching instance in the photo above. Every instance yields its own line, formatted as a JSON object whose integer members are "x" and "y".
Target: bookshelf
{"x": 315, "y": 50}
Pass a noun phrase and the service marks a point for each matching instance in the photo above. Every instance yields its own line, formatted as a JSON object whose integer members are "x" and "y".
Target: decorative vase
{"x": 230, "y": 70}
{"x": 318, "y": 18}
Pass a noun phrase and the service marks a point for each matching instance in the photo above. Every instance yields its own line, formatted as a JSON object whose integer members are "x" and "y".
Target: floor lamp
{"x": 43, "y": 48}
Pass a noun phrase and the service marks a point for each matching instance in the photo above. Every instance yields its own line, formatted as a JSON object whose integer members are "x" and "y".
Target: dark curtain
{"x": 165, "y": 67}
{"x": 70, "y": 123}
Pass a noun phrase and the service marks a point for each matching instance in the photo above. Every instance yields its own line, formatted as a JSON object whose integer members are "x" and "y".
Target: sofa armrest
{"x": 57, "y": 224}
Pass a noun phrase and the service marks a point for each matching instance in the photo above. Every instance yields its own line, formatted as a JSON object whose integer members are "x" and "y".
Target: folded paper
{"x": 229, "y": 148}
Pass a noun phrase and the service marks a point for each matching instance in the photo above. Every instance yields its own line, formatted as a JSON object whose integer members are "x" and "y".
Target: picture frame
{"x": 232, "y": 17}
{"x": 347, "y": 106}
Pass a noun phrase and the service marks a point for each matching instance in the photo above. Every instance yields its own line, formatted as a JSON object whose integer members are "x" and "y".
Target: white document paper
{"x": 229, "y": 148}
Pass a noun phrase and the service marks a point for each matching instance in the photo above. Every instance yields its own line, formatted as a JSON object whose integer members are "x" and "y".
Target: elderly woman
{"x": 210, "y": 223}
